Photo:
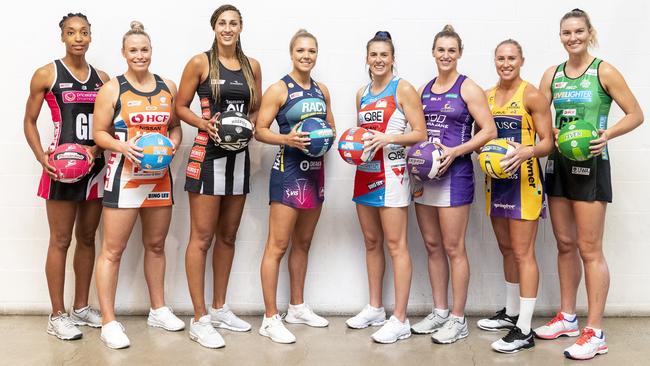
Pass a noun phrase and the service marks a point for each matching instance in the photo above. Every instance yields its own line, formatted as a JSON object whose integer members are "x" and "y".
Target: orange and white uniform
{"x": 126, "y": 185}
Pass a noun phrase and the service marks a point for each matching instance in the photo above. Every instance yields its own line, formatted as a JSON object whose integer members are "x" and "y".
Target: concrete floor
{"x": 23, "y": 341}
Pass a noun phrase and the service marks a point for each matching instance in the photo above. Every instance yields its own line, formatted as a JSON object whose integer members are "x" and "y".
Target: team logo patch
{"x": 158, "y": 196}
{"x": 198, "y": 153}
{"x": 193, "y": 170}
{"x": 578, "y": 170}
{"x": 133, "y": 103}
{"x": 79, "y": 96}
{"x": 381, "y": 104}
{"x": 65, "y": 85}
{"x": 295, "y": 95}
{"x": 201, "y": 139}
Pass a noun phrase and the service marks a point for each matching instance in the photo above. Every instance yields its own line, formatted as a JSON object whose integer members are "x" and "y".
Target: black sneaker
{"x": 500, "y": 321}
{"x": 514, "y": 341}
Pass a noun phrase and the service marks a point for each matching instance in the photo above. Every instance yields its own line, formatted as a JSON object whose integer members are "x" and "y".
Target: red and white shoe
{"x": 587, "y": 346}
{"x": 557, "y": 327}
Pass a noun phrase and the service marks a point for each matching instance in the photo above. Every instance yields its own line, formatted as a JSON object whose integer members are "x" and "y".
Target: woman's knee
{"x": 434, "y": 248}
{"x": 155, "y": 246}
{"x": 277, "y": 247}
{"x": 113, "y": 251}
{"x": 454, "y": 247}
{"x": 60, "y": 240}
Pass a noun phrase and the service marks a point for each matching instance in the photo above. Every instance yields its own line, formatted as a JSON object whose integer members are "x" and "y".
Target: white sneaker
{"x": 587, "y": 346}
{"x": 274, "y": 328}
{"x": 429, "y": 324}
{"x": 452, "y": 331}
{"x": 558, "y": 326}
{"x": 367, "y": 317}
{"x": 499, "y": 321}
{"x": 63, "y": 327}
{"x": 86, "y": 316}
{"x": 302, "y": 314}
{"x": 392, "y": 331}
{"x": 226, "y": 319}
{"x": 113, "y": 335}
{"x": 164, "y": 317}
{"x": 204, "y": 333}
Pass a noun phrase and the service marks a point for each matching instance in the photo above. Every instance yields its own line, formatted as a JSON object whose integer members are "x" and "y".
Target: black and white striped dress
{"x": 212, "y": 170}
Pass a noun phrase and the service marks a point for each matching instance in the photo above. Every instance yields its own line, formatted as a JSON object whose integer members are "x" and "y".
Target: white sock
{"x": 526, "y": 314}
{"x": 512, "y": 299}
{"x": 443, "y": 313}
{"x": 297, "y": 307}
{"x": 460, "y": 318}
{"x": 569, "y": 317}
{"x": 374, "y": 308}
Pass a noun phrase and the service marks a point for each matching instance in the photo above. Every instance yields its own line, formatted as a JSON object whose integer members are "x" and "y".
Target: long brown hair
{"x": 246, "y": 67}
{"x": 579, "y": 13}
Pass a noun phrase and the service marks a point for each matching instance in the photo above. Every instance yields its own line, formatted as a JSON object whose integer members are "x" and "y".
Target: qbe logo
{"x": 373, "y": 116}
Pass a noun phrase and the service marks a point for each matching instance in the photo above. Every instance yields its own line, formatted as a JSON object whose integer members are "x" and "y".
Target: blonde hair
{"x": 512, "y": 42}
{"x": 579, "y": 13}
{"x": 301, "y": 33}
{"x": 244, "y": 63}
{"x": 137, "y": 28}
{"x": 448, "y": 31}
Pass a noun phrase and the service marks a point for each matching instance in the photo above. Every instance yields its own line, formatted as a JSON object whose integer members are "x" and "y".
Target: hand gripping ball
{"x": 422, "y": 160}
{"x": 352, "y": 147}
{"x": 157, "y": 150}
{"x": 490, "y": 158}
{"x": 71, "y": 161}
{"x": 321, "y": 135}
{"x": 234, "y": 131}
{"x": 573, "y": 140}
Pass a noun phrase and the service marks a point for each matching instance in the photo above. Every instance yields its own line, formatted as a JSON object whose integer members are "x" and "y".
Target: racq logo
{"x": 148, "y": 118}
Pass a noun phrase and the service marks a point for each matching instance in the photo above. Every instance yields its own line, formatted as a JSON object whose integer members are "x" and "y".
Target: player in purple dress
{"x": 452, "y": 104}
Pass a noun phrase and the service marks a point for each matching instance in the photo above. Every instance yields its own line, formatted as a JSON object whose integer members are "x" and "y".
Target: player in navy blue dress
{"x": 69, "y": 86}
{"x": 297, "y": 184}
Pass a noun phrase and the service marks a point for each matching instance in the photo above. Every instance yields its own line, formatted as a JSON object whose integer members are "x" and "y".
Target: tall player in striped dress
{"x": 296, "y": 187}
{"x": 514, "y": 205}
{"x": 217, "y": 180}
{"x": 128, "y": 106}
{"x": 381, "y": 187}
{"x": 583, "y": 87}
{"x": 452, "y": 104}
{"x": 69, "y": 86}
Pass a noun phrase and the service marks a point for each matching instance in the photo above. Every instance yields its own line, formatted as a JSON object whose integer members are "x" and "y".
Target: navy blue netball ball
{"x": 321, "y": 135}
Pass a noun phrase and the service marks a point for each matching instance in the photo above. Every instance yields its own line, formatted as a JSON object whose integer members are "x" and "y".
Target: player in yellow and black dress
{"x": 515, "y": 204}
{"x": 127, "y": 107}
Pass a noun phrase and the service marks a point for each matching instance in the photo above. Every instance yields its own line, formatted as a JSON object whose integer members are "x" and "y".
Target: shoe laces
{"x": 586, "y": 335}
{"x": 558, "y": 318}
{"x": 501, "y": 314}
{"x": 66, "y": 321}
{"x": 450, "y": 323}
{"x": 94, "y": 312}
{"x": 514, "y": 333}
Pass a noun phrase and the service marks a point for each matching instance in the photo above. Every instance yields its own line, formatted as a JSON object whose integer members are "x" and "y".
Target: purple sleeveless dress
{"x": 450, "y": 124}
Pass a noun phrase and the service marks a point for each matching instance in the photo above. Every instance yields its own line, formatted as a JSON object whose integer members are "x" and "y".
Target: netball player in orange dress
{"x": 128, "y": 106}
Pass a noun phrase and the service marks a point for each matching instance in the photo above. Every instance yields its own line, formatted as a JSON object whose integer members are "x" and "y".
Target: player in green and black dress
{"x": 583, "y": 88}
